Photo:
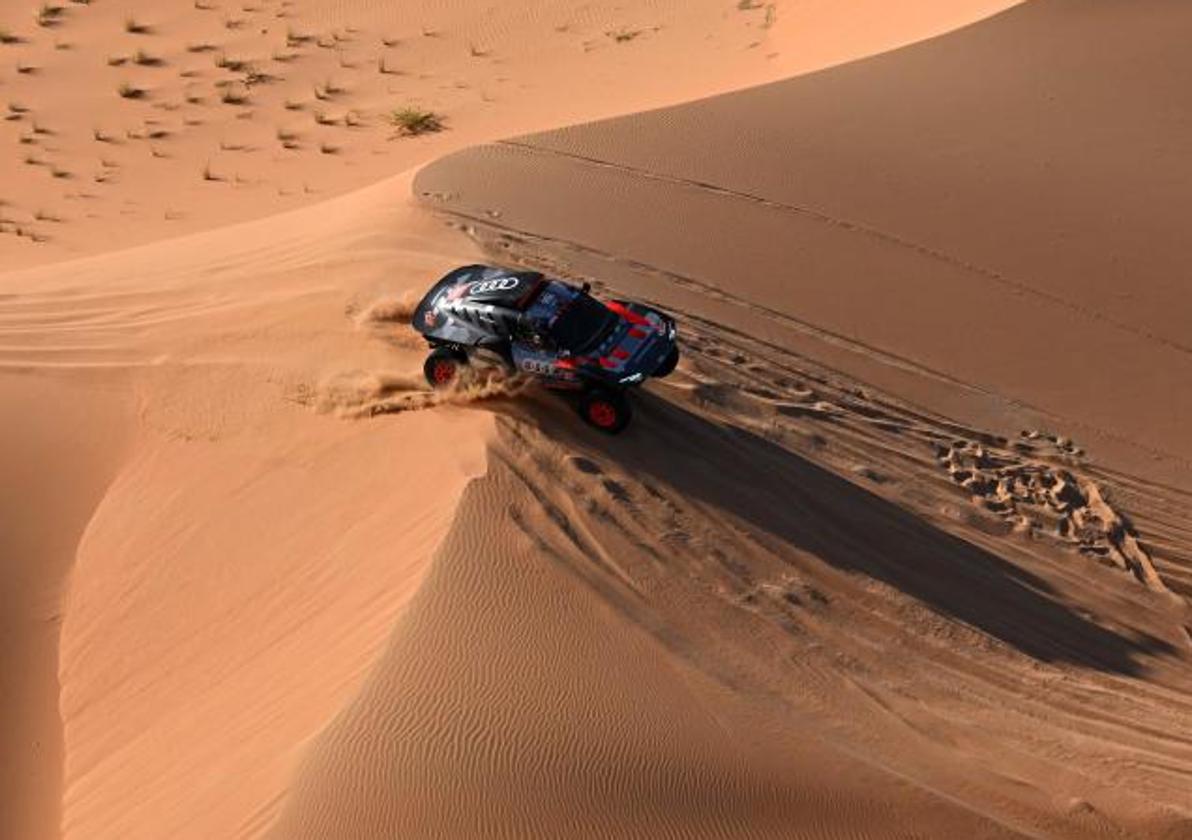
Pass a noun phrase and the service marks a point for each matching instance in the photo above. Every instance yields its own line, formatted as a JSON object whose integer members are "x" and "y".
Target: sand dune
{"x": 1026, "y": 167}
{"x": 847, "y": 576}
{"x": 249, "y": 109}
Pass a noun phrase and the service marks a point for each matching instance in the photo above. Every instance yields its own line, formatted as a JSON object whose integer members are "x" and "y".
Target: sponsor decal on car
{"x": 498, "y": 284}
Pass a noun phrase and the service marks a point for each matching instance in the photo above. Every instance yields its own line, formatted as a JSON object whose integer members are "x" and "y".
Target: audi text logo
{"x": 499, "y": 284}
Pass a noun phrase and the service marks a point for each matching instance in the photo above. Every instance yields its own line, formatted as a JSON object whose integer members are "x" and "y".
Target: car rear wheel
{"x": 667, "y": 366}
{"x": 443, "y": 367}
{"x": 608, "y": 411}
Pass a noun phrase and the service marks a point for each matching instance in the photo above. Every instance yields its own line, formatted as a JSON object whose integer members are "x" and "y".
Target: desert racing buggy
{"x": 548, "y": 329}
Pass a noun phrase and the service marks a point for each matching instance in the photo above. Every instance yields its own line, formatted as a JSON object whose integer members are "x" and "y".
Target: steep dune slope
{"x": 875, "y": 603}
{"x": 1002, "y": 206}
{"x": 50, "y": 445}
{"x": 239, "y": 550}
{"x": 199, "y": 379}
{"x": 516, "y": 699}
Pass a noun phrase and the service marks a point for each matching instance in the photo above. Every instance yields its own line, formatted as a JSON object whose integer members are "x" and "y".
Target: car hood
{"x": 641, "y": 339}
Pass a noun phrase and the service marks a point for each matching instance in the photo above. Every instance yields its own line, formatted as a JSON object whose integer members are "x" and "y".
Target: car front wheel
{"x": 608, "y": 411}
{"x": 443, "y": 367}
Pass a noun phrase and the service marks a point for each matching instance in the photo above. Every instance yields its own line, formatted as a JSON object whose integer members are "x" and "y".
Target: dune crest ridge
{"x": 842, "y": 575}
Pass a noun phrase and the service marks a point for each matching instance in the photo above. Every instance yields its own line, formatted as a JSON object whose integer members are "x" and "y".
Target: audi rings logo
{"x": 499, "y": 284}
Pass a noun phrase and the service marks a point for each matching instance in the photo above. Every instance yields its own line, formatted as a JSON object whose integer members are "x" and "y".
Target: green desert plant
{"x": 411, "y": 121}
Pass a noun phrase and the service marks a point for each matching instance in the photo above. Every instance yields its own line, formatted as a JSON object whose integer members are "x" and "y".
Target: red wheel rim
{"x": 443, "y": 372}
{"x": 602, "y": 414}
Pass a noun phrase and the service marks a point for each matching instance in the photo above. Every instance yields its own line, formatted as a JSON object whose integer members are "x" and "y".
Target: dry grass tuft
{"x": 297, "y": 39}
{"x": 234, "y": 65}
{"x": 253, "y": 76}
{"x": 623, "y": 35}
{"x": 412, "y": 121}
{"x": 233, "y": 95}
{"x": 144, "y": 59}
{"x": 128, "y": 90}
{"x": 49, "y": 14}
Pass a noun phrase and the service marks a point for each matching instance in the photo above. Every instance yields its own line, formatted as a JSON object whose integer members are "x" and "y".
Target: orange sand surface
{"x": 902, "y": 549}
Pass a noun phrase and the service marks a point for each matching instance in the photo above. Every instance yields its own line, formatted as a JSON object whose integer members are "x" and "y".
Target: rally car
{"x": 548, "y": 329}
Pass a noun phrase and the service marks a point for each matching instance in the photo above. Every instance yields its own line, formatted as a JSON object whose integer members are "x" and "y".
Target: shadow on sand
{"x": 811, "y": 509}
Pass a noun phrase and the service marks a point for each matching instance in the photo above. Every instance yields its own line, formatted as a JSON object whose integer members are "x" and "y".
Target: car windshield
{"x": 582, "y": 325}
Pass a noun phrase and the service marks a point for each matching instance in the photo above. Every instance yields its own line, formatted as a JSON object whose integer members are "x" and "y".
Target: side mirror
{"x": 586, "y": 287}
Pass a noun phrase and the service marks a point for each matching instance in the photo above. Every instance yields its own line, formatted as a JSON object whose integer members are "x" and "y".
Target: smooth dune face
{"x": 131, "y": 122}
{"x": 1002, "y": 206}
{"x": 257, "y": 581}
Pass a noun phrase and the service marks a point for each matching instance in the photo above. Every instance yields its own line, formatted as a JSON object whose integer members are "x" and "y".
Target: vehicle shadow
{"x": 813, "y": 510}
